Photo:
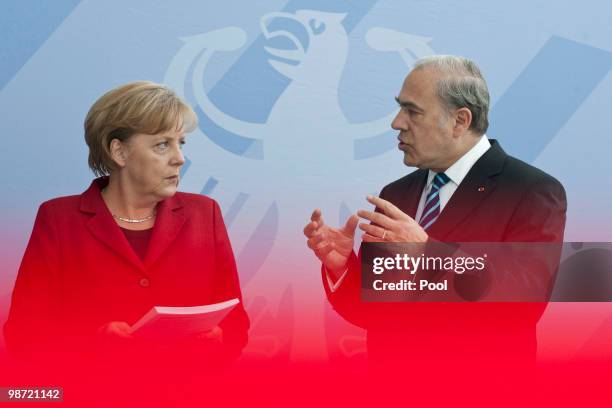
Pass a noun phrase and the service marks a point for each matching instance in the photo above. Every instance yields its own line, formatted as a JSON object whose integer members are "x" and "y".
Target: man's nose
{"x": 398, "y": 122}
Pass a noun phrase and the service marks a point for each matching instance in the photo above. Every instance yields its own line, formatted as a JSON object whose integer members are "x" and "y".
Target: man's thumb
{"x": 351, "y": 225}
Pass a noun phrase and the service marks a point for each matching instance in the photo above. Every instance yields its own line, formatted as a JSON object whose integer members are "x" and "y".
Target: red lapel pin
{"x": 481, "y": 189}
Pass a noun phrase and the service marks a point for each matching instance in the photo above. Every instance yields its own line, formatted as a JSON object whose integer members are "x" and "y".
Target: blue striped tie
{"x": 432, "y": 204}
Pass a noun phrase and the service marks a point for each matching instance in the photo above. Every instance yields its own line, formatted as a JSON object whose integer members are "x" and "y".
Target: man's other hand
{"x": 332, "y": 246}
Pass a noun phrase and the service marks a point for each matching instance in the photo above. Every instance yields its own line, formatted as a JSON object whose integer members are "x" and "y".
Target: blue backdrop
{"x": 295, "y": 100}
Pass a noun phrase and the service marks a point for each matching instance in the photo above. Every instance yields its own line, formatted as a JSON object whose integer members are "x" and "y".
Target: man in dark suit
{"x": 467, "y": 189}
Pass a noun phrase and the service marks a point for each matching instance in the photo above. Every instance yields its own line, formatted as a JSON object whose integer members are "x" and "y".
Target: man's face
{"x": 425, "y": 127}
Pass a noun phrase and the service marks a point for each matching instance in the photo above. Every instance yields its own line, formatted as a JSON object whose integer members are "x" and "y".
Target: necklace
{"x": 130, "y": 220}
{"x": 134, "y": 220}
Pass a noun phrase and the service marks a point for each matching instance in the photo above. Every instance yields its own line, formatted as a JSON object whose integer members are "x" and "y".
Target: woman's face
{"x": 152, "y": 163}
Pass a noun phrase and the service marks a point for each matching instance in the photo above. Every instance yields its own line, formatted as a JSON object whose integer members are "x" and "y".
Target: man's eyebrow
{"x": 407, "y": 104}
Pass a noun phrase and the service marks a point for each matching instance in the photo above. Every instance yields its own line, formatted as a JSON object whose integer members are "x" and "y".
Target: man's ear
{"x": 118, "y": 152}
{"x": 463, "y": 120}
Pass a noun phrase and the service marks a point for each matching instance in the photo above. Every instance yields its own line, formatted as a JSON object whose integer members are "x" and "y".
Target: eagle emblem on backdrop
{"x": 302, "y": 153}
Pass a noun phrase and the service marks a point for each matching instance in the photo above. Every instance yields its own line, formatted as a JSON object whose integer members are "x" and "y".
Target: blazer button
{"x": 144, "y": 282}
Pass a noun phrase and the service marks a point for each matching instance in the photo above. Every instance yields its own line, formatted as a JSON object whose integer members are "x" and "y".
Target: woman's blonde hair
{"x": 137, "y": 107}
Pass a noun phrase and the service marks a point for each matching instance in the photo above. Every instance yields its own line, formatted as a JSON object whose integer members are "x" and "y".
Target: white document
{"x": 164, "y": 323}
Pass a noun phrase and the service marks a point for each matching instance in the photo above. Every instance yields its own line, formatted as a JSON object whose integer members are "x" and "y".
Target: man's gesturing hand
{"x": 332, "y": 246}
{"x": 392, "y": 225}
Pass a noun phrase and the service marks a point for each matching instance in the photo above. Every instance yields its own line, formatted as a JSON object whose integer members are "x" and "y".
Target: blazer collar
{"x": 169, "y": 221}
{"x": 475, "y": 187}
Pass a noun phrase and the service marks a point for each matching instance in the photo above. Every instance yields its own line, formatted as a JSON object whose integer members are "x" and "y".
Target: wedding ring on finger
{"x": 384, "y": 234}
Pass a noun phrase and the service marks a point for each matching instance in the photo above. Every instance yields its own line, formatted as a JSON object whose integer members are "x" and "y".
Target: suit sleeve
{"x": 346, "y": 299}
{"x": 33, "y": 325}
{"x": 227, "y": 286}
{"x": 539, "y": 220}
{"x": 540, "y": 217}
{"x": 530, "y": 259}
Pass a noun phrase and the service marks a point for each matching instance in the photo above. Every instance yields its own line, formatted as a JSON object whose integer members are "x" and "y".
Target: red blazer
{"x": 79, "y": 271}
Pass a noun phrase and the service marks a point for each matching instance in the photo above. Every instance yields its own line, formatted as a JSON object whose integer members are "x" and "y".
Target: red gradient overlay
{"x": 300, "y": 352}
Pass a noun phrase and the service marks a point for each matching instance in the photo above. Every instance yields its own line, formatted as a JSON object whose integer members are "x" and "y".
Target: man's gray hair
{"x": 461, "y": 85}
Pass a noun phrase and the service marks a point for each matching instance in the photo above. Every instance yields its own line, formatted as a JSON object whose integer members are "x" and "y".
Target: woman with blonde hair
{"x": 98, "y": 261}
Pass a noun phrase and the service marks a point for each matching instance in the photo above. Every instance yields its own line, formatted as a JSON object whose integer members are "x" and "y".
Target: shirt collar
{"x": 457, "y": 172}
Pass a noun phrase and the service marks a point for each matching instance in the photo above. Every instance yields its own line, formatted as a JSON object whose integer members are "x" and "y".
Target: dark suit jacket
{"x": 519, "y": 204}
{"x": 79, "y": 272}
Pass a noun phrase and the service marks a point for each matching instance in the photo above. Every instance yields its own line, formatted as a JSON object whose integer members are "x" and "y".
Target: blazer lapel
{"x": 475, "y": 187}
{"x": 170, "y": 220}
{"x": 409, "y": 197}
{"x": 103, "y": 226}
{"x": 415, "y": 194}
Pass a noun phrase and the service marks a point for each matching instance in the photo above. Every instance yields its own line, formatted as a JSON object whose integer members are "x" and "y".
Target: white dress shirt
{"x": 456, "y": 173}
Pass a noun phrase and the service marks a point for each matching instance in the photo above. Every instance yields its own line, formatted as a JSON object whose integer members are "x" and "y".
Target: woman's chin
{"x": 171, "y": 191}
{"x": 167, "y": 191}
